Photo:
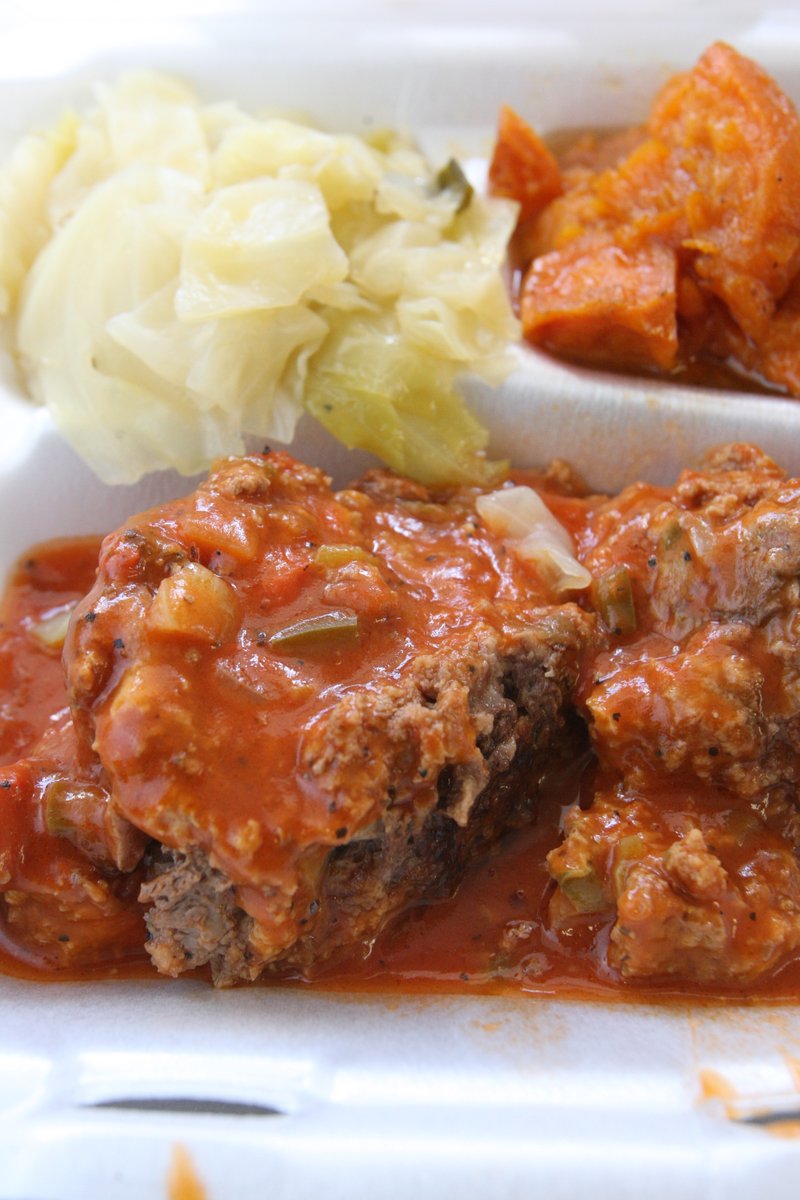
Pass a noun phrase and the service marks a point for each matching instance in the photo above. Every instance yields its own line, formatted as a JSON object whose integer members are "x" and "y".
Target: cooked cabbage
{"x": 532, "y": 533}
{"x": 24, "y": 186}
{"x": 181, "y": 276}
{"x": 375, "y": 389}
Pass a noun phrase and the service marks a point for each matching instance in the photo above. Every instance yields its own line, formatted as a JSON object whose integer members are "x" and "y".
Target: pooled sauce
{"x": 183, "y": 1182}
{"x": 491, "y": 937}
{"x": 45, "y": 583}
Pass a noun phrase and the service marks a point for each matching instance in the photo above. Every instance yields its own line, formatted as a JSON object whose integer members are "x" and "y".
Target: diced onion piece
{"x": 520, "y": 516}
{"x": 195, "y": 604}
{"x": 629, "y": 850}
{"x": 51, "y": 630}
{"x": 515, "y": 512}
{"x": 612, "y": 596}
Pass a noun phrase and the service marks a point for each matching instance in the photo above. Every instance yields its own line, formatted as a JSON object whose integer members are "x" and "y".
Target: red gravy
{"x": 489, "y": 938}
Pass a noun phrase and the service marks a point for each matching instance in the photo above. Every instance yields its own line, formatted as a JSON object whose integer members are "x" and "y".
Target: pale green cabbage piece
{"x": 234, "y": 364}
{"x": 257, "y": 245}
{"x": 534, "y": 535}
{"x": 104, "y": 399}
{"x": 156, "y": 120}
{"x": 344, "y": 168}
{"x": 25, "y": 181}
{"x": 181, "y": 275}
{"x": 376, "y": 391}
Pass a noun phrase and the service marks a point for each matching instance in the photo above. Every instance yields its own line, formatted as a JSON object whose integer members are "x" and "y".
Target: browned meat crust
{"x": 483, "y": 728}
{"x": 193, "y": 919}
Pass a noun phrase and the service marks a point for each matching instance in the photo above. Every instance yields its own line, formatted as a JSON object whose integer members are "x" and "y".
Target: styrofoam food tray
{"x": 285, "y": 1093}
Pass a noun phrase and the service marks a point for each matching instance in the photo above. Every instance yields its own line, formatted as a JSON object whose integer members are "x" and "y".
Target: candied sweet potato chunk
{"x": 522, "y": 167}
{"x": 707, "y": 195}
{"x": 776, "y": 355}
{"x": 596, "y": 302}
{"x": 737, "y": 138}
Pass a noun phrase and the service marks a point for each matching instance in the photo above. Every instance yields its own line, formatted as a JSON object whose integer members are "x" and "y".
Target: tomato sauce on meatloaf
{"x": 351, "y": 738}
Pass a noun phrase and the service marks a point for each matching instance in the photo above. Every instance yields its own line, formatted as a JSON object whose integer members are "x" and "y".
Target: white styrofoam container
{"x": 286, "y": 1093}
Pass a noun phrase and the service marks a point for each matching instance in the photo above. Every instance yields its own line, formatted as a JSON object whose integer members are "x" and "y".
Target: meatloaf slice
{"x": 481, "y": 728}
{"x": 691, "y": 843}
{"x": 318, "y": 706}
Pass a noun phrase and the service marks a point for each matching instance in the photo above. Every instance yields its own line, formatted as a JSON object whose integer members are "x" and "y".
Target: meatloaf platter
{"x": 368, "y": 826}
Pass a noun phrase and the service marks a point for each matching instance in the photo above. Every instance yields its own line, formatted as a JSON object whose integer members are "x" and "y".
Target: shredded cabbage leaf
{"x": 180, "y": 276}
{"x": 534, "y": 535}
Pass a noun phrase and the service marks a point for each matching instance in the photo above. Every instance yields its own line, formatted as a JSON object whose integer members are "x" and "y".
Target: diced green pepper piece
{"x": 612, "y": 596}
{"x": 333, "y": 628}
{"x": 628, "y": 852}
{"x": 671, "y": 534}
{"x": 583, "y": 889}
{"x": 56, "y": 814}
{"x": 70, "y": 807}
{"x": 451, "y": 178}
{"x": 51, "y": 632}
{"x": 340, "y": 555}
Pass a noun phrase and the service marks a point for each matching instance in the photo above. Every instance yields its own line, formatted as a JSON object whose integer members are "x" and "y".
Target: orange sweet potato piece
{"x": 595, "y": 302}
{"x": 633, "y": 201}
{"x": 591, "y": 153}
{"x": 689, "y": 229}
{"x": 776, "y": 356}
{"x": 735, "y": 145}
{"x": 522, "y": 167}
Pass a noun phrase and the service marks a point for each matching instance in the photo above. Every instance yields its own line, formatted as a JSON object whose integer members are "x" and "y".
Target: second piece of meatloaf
{"x": 317, "y": 706}
{"x": 691, "y": 840}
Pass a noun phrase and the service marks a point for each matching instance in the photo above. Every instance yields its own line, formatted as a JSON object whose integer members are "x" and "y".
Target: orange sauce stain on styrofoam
{"x": 183, "y": 1182}
{"x": 793, "y": 1067}
{"x": 784, "y": 1129}
{"x": 714, "y": 1086}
